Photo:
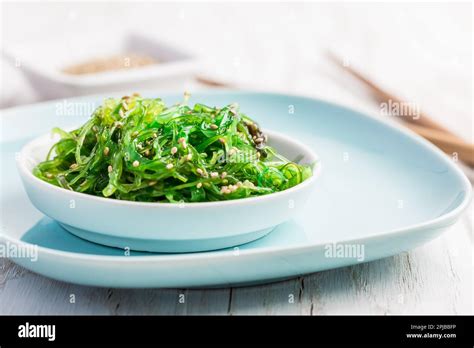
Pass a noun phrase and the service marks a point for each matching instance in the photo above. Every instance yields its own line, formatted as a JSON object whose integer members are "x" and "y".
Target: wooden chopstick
{"x": 423, "y": 125}
{"x": 383, "y": 96}
{"x": 212, "y": 83}
{"x": 449, "y": 144}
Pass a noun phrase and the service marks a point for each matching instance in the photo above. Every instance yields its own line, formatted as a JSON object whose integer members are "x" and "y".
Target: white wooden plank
{"x": 34, "y": 294}
{"x": 22, "y": 292}
{"x": 278, "y": 298}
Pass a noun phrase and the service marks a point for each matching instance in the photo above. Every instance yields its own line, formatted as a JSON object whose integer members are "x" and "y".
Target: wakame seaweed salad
{"x": 139, "y": 149}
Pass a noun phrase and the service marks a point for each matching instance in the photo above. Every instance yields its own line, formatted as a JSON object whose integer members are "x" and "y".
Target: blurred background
{"x": 420, "y": 52}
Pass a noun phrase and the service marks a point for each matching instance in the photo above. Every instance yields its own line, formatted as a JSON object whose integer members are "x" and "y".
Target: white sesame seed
{"x": 180, "y": 140}
{"x": 223, "y": 175}
{"x": 106, "y": 151}
{"x": 189, "y": 157}
{"x": 174, "y": 149}
{"x": 199, "y": 185}
{"x": 214, "y": 174}
{"x": 222, "y": 140}
{"x": 151, "y": 183}
{"x": 199, "y": 171}
{"x": 135, "y": 163}
{"x": 213, "y": 126}
{"x": 110, "y": 169}
{"x": 73, "y": 166}
{"x": 169, "y": 166}
{"x": 49, "y": 175}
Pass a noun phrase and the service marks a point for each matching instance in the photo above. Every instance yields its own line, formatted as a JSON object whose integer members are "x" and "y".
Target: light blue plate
{"x": 383, "y": 190}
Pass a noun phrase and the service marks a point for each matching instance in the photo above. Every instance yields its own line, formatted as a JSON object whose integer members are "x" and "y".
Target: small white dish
{"x": 43, "y": 62}
{"x": 166, "y": 227}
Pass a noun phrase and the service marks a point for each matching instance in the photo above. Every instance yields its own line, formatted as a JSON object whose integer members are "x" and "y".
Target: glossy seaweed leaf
{"x": 142, "y": 150}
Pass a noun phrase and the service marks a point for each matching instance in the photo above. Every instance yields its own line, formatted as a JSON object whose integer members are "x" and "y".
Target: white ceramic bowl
{"x": 43, "y": 61}
{"x": 166, "y": 227}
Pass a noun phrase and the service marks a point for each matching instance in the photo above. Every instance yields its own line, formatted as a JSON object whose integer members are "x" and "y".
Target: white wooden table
{"x": 421, "y": 52}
